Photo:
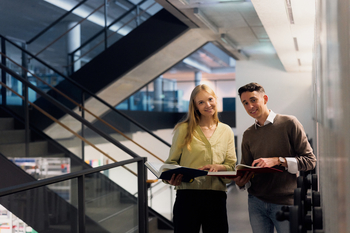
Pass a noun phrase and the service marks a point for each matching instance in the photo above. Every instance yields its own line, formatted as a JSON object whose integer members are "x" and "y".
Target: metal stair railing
{"x": 83, "y": 90}
{"x": 70, "y": 112}
{"x": 55, "y": 22}
{"x": 79, "y": 86}
{"x": 80, "y": 175}
{"x": 151, "y": 183}
{"x": 71, "y": 55}
{"x": 82, "y": 108}
{"x": 107, "y": 26}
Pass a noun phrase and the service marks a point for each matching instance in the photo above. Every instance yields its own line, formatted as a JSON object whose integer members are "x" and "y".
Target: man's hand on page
{"x": 265, "y": 162}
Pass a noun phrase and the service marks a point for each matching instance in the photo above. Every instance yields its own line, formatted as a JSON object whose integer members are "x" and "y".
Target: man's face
{"x": 255, "y": 104}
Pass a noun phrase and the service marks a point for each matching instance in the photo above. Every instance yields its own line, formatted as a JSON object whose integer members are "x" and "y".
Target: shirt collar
{"x": 270, "y": 119}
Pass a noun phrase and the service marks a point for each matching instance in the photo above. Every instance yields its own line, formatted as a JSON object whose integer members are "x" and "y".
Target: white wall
{"x": 289, "y": 93}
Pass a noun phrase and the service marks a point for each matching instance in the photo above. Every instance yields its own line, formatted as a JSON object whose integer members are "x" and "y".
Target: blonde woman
{"x": 201, "y": 141}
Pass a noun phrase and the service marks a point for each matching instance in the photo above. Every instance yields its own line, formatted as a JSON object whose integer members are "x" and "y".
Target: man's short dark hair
{"x": 250, "y": 87}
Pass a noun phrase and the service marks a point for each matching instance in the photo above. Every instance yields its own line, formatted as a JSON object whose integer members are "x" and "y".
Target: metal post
{"x": 106, "y": 26}
{"x": 81, "y": 204}
{"x": 142, "y": 196}
{"x": 82, "y": 127}
{"x": 3, "y": 73}
{"x": 147, "y": 99}
{"x": 25, "y": 102}
{"x": 71, "y": 67}
{"x": 171, "y": 201}
{"x": 150, "y": 193}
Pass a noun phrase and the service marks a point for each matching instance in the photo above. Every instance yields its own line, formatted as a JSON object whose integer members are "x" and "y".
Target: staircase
{"x": 12, "y": 142}
{"x": 109, "y": 208}
{"x": 116, "y": 214}
{"x": 126, "y": 66}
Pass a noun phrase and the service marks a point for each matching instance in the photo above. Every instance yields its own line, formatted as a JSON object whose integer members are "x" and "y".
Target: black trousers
{"x": 196, "y": 208}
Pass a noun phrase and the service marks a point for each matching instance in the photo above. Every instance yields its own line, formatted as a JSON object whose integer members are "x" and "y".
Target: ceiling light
{"x": 199, "y": 14}
{"x": 296, "y": 44}
{"x": 185, "y": 2}
{"x": 289, "y": 11}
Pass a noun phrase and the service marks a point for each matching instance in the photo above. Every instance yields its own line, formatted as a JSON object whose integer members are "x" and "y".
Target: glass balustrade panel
{"x": 111, "y": 199}
{"x": 44, "y": 209}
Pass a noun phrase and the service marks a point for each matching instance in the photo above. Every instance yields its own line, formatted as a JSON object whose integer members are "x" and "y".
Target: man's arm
{"x": 290, "y": 164}
{"x": 304, "y": 154}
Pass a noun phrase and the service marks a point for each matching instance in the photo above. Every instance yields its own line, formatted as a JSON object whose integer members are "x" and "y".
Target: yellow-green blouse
{"x": 219, "y": 149}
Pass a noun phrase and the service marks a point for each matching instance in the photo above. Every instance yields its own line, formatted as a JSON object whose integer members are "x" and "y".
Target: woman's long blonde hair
{"x": 193, "y": 115}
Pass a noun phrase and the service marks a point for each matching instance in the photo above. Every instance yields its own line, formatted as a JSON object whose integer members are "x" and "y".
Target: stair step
{"x": 12, "y": 136}
{"x": 37, "y": 149}
{"x": 6, "y": 123}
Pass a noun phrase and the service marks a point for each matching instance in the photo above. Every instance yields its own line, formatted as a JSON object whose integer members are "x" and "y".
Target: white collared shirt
{"x": 270, "y": 119}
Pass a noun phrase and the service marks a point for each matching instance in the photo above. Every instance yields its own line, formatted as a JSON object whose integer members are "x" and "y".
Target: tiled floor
{"x": 237, "y": 211}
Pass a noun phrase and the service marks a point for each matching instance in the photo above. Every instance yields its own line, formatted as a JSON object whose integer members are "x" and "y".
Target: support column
{"x": 197, "y": 78}
{"x": 74, "y": 42}
{"x": 158, "y": 94}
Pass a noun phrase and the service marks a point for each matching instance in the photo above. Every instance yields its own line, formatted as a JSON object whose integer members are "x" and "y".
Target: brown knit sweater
{"x": 285, "y": 138}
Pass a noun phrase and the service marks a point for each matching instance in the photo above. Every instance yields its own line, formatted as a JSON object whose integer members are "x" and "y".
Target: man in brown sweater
{"x": 273, "y": 140}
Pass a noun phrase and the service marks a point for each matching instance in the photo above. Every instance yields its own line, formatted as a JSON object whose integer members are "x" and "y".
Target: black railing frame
{"x": 104, "y": 30}
{"x": 70, "y": 112}
{"x": 86, "y": 91}
{"x": 55, "y": 22}
{"x": 80, "y": 175}
{"x": 3, "y": 73}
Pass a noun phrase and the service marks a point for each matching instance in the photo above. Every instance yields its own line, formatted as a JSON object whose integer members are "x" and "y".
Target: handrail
{"x": 80, "y": 175}
{"x": 102, "y": 30}
{"x": 45, "y": 137}
{"x": 89, "y": 92}
{"x": 60, "y": 178}
{"x": 64, "y": 126}
{"x": 55, "y": 22}
{"x": 111, "y": 33}
{"x": 70, "y": 29}
{"x": 70, "y": 112}
{"x": 81, "y": 107}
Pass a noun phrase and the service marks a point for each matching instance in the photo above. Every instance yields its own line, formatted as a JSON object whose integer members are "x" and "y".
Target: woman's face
{"x": 205, "y": 103}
